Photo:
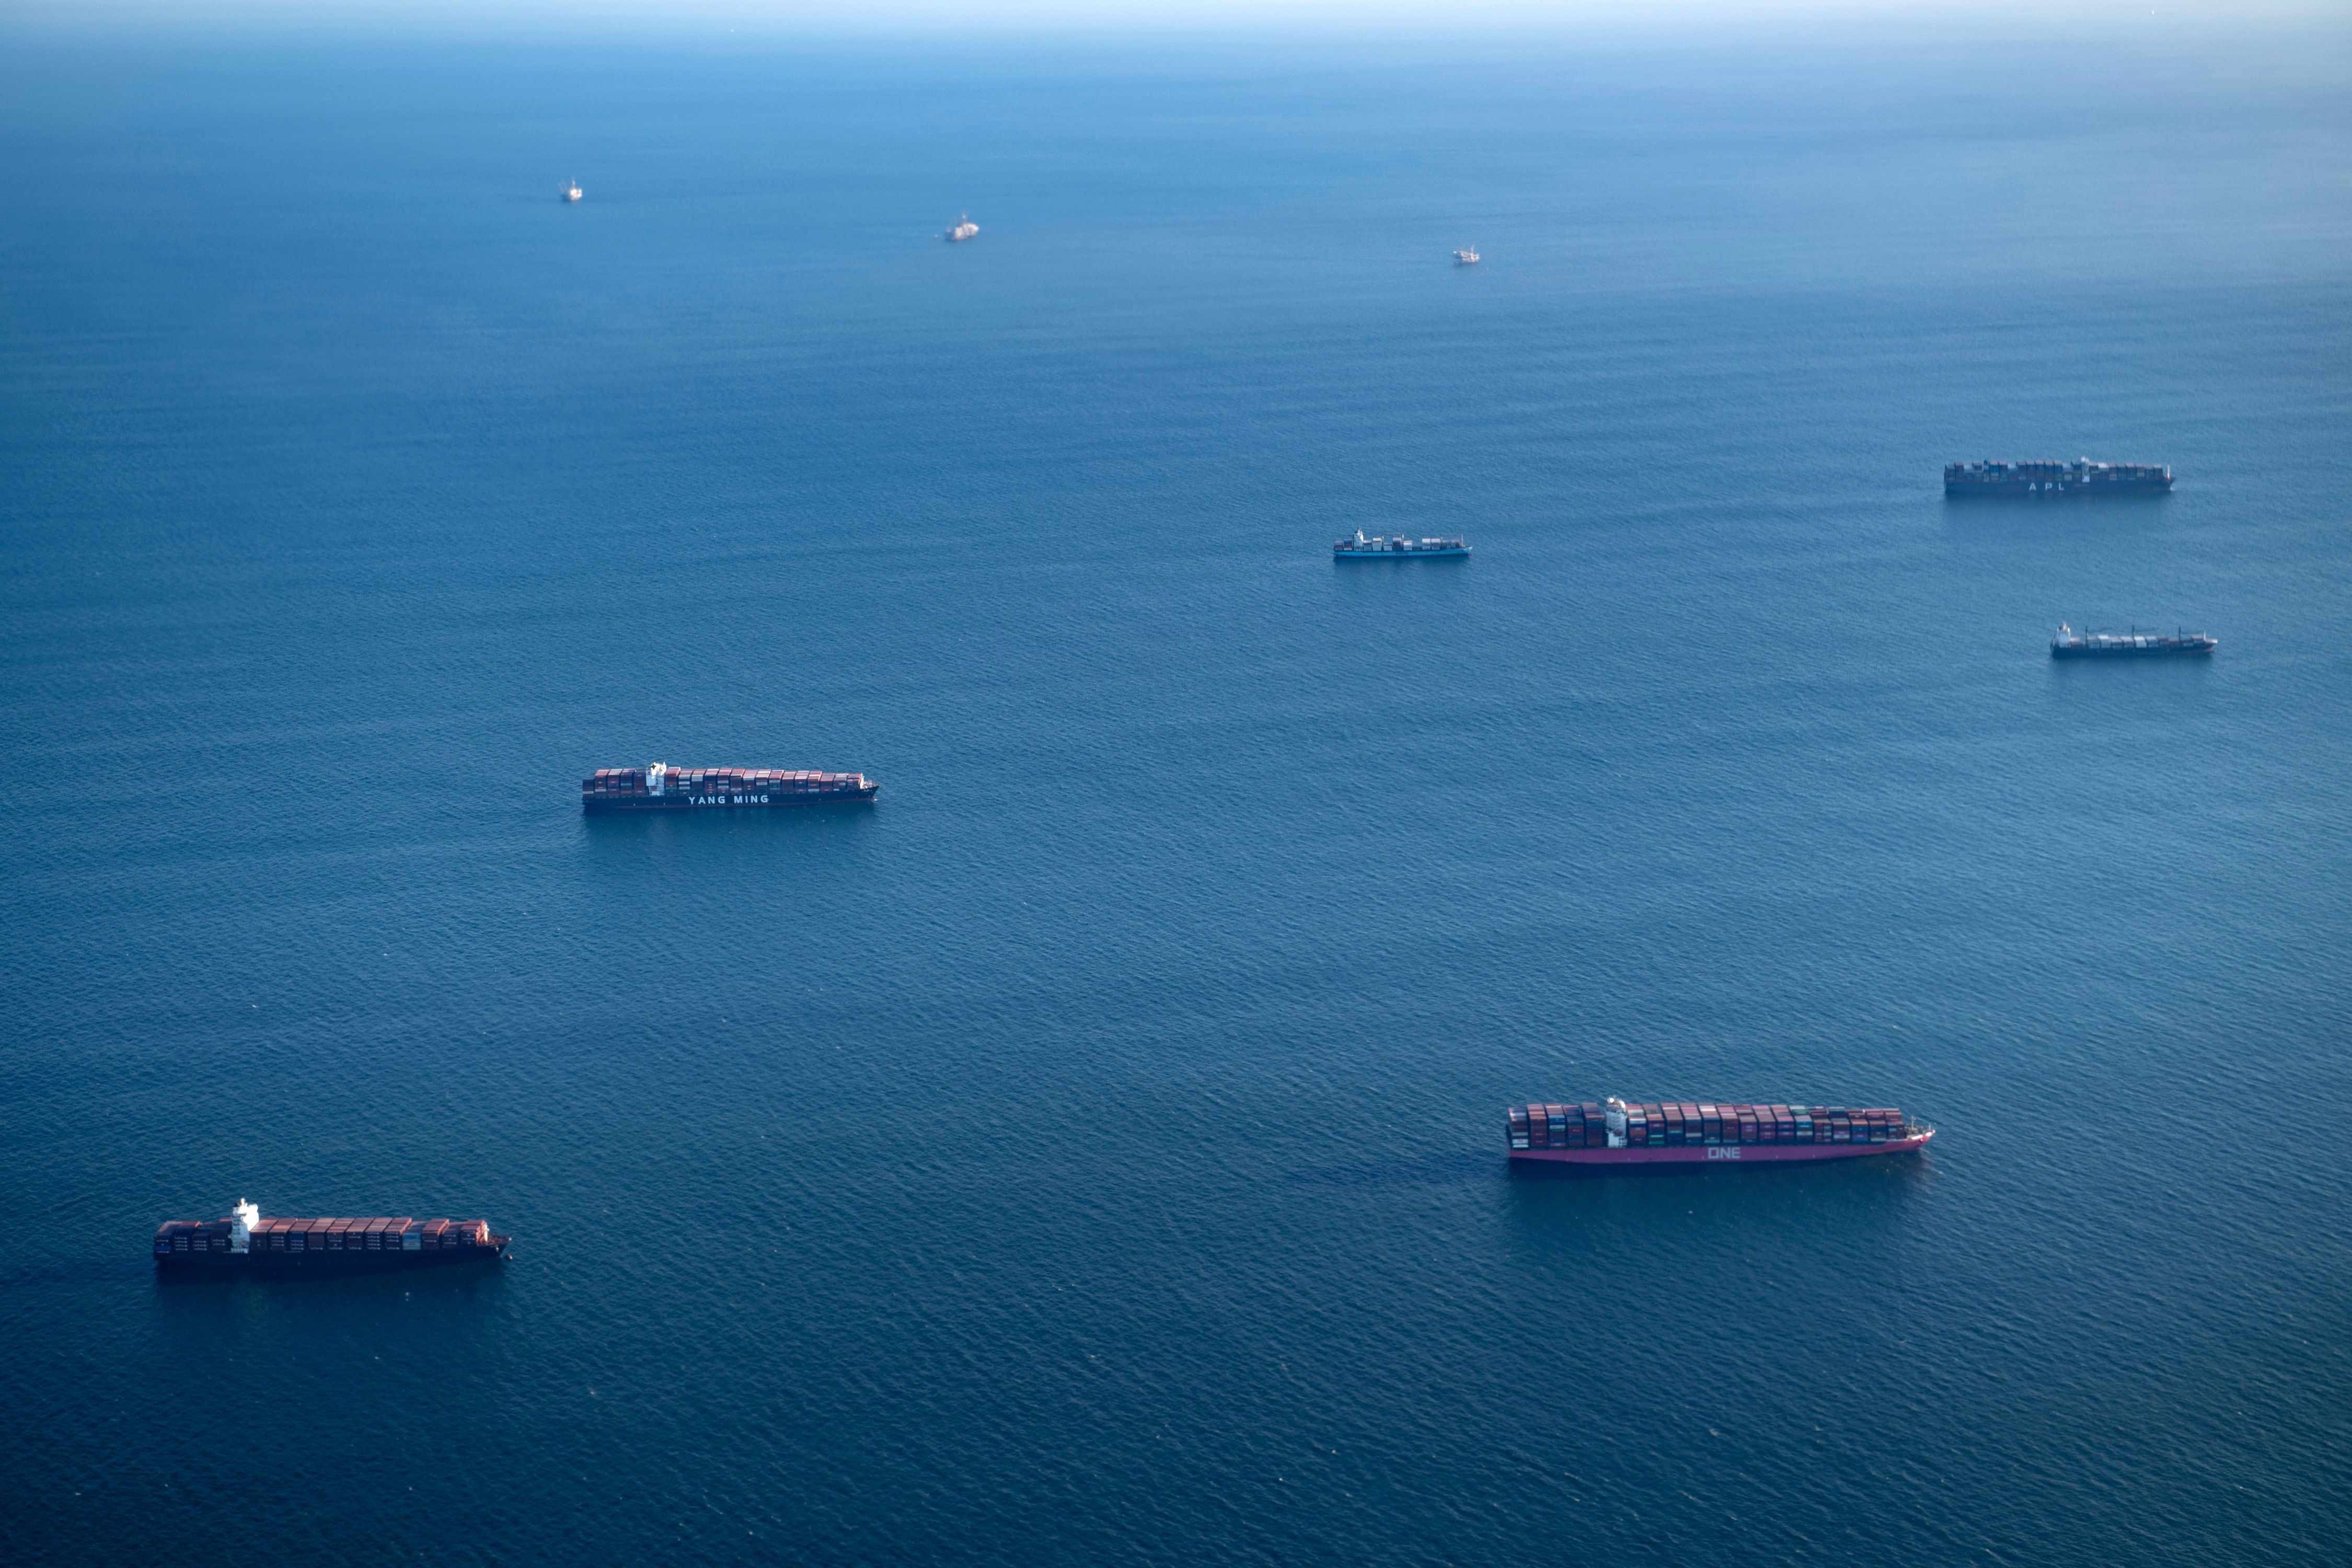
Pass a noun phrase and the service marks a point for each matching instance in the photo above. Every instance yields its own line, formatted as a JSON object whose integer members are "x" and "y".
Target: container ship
{"x": 2072, "y": 644}
{"x": 1381, "y": 548}
{"x": 1615, "y": 1133}
{"x": 245, "y": 1242}
{"x": 2081, "y": 478}
{"x": 665, "y": 788}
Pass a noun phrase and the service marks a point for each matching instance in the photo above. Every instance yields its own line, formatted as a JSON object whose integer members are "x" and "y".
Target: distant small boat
{"x": 1467, "y": 257}
{"x": 965, "y": 229}
{"x": 572, "y": 191}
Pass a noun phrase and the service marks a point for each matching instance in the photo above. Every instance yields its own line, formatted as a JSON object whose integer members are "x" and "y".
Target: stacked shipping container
{"x": 328, "y": 1241}
{"x": 1559, "y": 1126}
{"x": 1680, "y": 1123}
{"x": 664, "y": 787}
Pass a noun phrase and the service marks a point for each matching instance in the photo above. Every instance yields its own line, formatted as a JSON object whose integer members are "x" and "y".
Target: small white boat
{"x": 572, "y": 191}
{"x": 1467, "y": 257}
{"x": 965, "y": 229}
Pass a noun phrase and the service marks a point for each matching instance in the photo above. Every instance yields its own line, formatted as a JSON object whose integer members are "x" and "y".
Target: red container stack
{"x": 325, "y": 1241}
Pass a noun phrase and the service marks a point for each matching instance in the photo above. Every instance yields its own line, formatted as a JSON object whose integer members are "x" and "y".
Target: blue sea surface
{"x": 1093, "y": 1152}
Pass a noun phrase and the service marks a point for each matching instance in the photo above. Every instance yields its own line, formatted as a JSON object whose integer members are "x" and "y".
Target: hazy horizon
{"x": 1332, "y": 20}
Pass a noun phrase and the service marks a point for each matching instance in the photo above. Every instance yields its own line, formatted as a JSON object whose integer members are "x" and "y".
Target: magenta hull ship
{"x": 1702, "y": 1132}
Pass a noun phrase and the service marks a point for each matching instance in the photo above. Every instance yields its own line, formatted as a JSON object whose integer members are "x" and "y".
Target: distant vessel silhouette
{"x": 2081, "y": 478}
{"x": 2072, "y": 644}
{"x": 964, "y": 228}
{"x": 1381, "y": 547}
{"x": 665, "y": 788}
{"x": 1694, "y": 1133}
{"x": 1467, "y": 257}
{"x": 572, "y": 191}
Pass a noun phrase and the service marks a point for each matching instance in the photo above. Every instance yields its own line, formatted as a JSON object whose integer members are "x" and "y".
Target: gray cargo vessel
{"x": 2135, "y": 644}
{"x": 2038, "y": 480}
{"x": 1381, "y": 547}
{"x": 665, "y": 788}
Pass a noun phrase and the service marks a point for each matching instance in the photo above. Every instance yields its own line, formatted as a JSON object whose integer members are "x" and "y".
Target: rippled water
{"x": 1092, "y": 1152}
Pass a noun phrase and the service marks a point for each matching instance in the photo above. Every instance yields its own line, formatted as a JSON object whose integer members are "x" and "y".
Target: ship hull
{"x": 1399, "y": 554}
{"x": 324, "y": 1262}
{"x": 2192, "y": 652}
{"x": 774, "y": 800}
{"x": 1688, "y": 1155}
{"x": 2056, "y": 489}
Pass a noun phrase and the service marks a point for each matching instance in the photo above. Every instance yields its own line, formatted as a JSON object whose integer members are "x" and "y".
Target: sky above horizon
{"x": 1317, "y": 17}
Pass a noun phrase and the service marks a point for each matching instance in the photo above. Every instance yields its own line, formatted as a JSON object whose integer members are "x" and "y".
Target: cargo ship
{"x": 2081, "y": 478}
{"x": 1381, "y": 548}
{"x": 2072, "y": 644}
{"x": 1694, "y": 1132}
{"x": 665, "y": 788}
{"x": 245, "y": 1242}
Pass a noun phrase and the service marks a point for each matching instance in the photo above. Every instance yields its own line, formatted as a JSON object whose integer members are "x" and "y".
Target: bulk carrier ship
{"x": 2081, "y": 478}
{"x": 245, "y": 1242}
{"x": 665, "y": 788}
{"x": 1696, "y": 1132}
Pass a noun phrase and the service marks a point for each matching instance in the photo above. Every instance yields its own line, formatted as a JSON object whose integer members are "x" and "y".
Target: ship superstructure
{"x": 661, "y": 787}
{"x": 245, "y": 1241}
{"x": 1700, "y": 1132}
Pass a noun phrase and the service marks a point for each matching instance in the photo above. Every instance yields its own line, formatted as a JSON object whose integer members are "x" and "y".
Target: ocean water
{"x": 1092, "y": 1151}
